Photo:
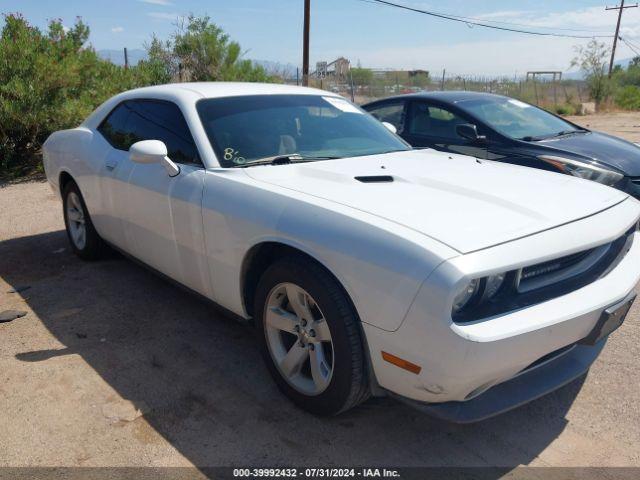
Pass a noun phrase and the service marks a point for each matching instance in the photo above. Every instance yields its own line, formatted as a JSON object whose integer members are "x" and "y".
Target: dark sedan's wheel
{"x": 85, "y": 241}
{"x": 310, "y": 337}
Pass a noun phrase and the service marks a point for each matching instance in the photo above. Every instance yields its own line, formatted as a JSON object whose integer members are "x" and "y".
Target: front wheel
{"x": 85, "y": 241}
{"x": 310, "y": 337}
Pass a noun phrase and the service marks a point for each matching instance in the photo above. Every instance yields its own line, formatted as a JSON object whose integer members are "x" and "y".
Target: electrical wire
{"x": 484, "y": 24}
{"x": 631, "y": 46}
{"x": 501, "y": 22}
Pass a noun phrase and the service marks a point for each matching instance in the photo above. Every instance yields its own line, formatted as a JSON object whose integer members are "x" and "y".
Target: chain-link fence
{"x": 562, "y": 96}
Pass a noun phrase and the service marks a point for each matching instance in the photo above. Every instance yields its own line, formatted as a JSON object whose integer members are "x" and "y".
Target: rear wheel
{"x": 310, "y": 337}
{"x": 85, "y": 241}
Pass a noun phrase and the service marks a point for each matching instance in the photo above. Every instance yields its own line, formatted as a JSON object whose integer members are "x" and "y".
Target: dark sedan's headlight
{"x": 583, "y": 170}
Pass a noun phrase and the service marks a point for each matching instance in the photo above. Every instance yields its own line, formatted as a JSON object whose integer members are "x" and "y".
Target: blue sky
{"x": 375, "y": 35}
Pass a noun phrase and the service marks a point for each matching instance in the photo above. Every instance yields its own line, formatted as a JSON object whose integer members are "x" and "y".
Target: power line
{"x": 501, "y": 22}
{"x": 455, "y": 18}
{"x": 633, "y": 49}
{"x": 629, "y": 42}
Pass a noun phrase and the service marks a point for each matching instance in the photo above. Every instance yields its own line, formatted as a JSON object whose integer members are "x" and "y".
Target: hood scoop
{"x": 375, "y": 179}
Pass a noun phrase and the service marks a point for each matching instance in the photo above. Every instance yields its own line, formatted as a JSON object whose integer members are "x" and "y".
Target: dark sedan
{"x": 500, "y": 128}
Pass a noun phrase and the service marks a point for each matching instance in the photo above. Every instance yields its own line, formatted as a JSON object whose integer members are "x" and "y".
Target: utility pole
{"x": 305, "y": 43}
{"x": 620, "y": 9}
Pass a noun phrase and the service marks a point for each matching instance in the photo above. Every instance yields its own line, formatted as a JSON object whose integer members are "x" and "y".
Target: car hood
{"x": 462, "y": 202}
{"x": 618, "y": 153}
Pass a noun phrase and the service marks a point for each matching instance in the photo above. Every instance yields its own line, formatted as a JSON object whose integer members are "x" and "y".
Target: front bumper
{"x": 464, "y": 363}
{"x": 532, "y": 383}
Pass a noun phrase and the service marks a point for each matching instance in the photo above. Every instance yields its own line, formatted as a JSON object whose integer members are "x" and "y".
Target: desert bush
{"x": 565, "y": 109}
{"x": 628, "y": 97}
{"x": 201, "y": 51}
{"x": 51, "y": 80}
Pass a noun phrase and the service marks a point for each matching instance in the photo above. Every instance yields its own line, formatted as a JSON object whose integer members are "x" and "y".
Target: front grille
{"x": 576, "y": 270}
{"x": 563, "y": 268}
{"x": 551, "y": 279}
{"x": 554, "y": 265}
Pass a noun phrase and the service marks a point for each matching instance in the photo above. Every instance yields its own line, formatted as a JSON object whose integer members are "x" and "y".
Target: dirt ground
{"x": 621, "y": 124}
{"x": 112, "y": 366}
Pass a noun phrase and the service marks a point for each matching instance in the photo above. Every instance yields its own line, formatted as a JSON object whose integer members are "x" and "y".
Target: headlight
{"x": 583, "y": 170}
{"x": 468, "y": 292}
{"x": 477, "y": 291}
{"x": 492, "y": 285}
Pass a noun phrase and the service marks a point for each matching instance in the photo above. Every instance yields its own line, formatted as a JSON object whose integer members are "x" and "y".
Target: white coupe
{"x": 462, "y": 286}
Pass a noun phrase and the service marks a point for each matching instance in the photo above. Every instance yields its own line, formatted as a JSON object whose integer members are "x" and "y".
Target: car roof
{"x": 228, "y": 89}
{"x": 451, "y": 96}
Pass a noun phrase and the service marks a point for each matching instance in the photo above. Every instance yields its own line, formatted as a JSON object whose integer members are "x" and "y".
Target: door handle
{"x": 111, "y": 164}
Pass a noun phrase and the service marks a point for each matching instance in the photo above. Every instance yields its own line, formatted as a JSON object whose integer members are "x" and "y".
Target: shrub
{"x": 628, "y": 97}
{"x": 51, "y": 81}
{"x": 565, "y": 109}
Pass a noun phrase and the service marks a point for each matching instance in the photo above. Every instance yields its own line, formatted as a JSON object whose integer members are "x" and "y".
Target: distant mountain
{"x": 117, "y": 56}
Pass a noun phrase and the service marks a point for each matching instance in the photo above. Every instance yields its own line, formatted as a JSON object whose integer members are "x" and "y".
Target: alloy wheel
{"x": 299, "y": 339}
{"x": 76, "y": 221}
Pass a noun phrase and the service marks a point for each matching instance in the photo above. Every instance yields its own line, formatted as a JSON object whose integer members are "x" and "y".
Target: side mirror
{"x": 390, "y": 127}
{"x": 469, "y": 132}
{"x": 153, "y": 151}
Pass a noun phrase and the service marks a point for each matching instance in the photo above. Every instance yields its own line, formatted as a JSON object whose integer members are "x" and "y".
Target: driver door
{"x": 162, "y": 215}
{"x": 434, "y": 126}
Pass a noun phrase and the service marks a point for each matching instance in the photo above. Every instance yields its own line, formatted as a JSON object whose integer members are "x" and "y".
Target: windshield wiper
{"x": 555, "y": 135}
{"x": 568, "y": 132}
{"x": 283, "y": 160}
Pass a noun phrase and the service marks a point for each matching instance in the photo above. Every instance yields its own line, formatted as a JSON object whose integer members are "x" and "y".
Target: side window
{"x": 160, "y": 120}
{"x": 390, "y": 112}
{"x": 113, "y": 128}
{"x": 431, "y": 121}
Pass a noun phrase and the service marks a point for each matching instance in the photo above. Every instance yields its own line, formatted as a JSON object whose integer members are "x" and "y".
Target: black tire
{"x": 93, "y": 247}
{"x": 349, "y": 382}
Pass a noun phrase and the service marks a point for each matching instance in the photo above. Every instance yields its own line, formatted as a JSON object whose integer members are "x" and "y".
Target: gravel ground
{"x": 112, "y": 366}
{"x": 621, "y": 124}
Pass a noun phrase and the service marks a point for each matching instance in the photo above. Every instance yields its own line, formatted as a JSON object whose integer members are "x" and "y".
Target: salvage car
{"x": 504, "y": 129}
{"x": 461, "y": 286}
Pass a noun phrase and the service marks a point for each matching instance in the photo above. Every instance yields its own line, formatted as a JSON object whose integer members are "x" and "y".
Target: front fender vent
{"x": 375, "y": 179}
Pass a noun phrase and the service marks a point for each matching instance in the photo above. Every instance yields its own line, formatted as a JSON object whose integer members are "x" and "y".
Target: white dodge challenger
{"x": 462, "y": 286}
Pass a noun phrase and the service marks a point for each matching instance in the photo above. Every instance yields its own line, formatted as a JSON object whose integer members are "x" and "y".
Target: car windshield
{"x": 517, "y": 119}
{"x": 247, "y": 129}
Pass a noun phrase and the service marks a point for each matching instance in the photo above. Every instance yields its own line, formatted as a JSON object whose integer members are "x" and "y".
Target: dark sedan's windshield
{"x": 517, "y": 119}
{"x": 249, "y": 128}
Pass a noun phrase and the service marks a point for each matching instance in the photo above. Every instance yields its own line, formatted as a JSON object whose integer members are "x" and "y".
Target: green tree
{"x": 51, "y": 80}
{"x": 592, "y": 61}
{"x": 201, "y": 51}
{"x": 362, "y": 76}
{"x": 44, "y": 81}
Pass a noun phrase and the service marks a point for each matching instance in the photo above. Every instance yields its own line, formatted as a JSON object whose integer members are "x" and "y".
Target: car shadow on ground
{"x": 199, "y": 378}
